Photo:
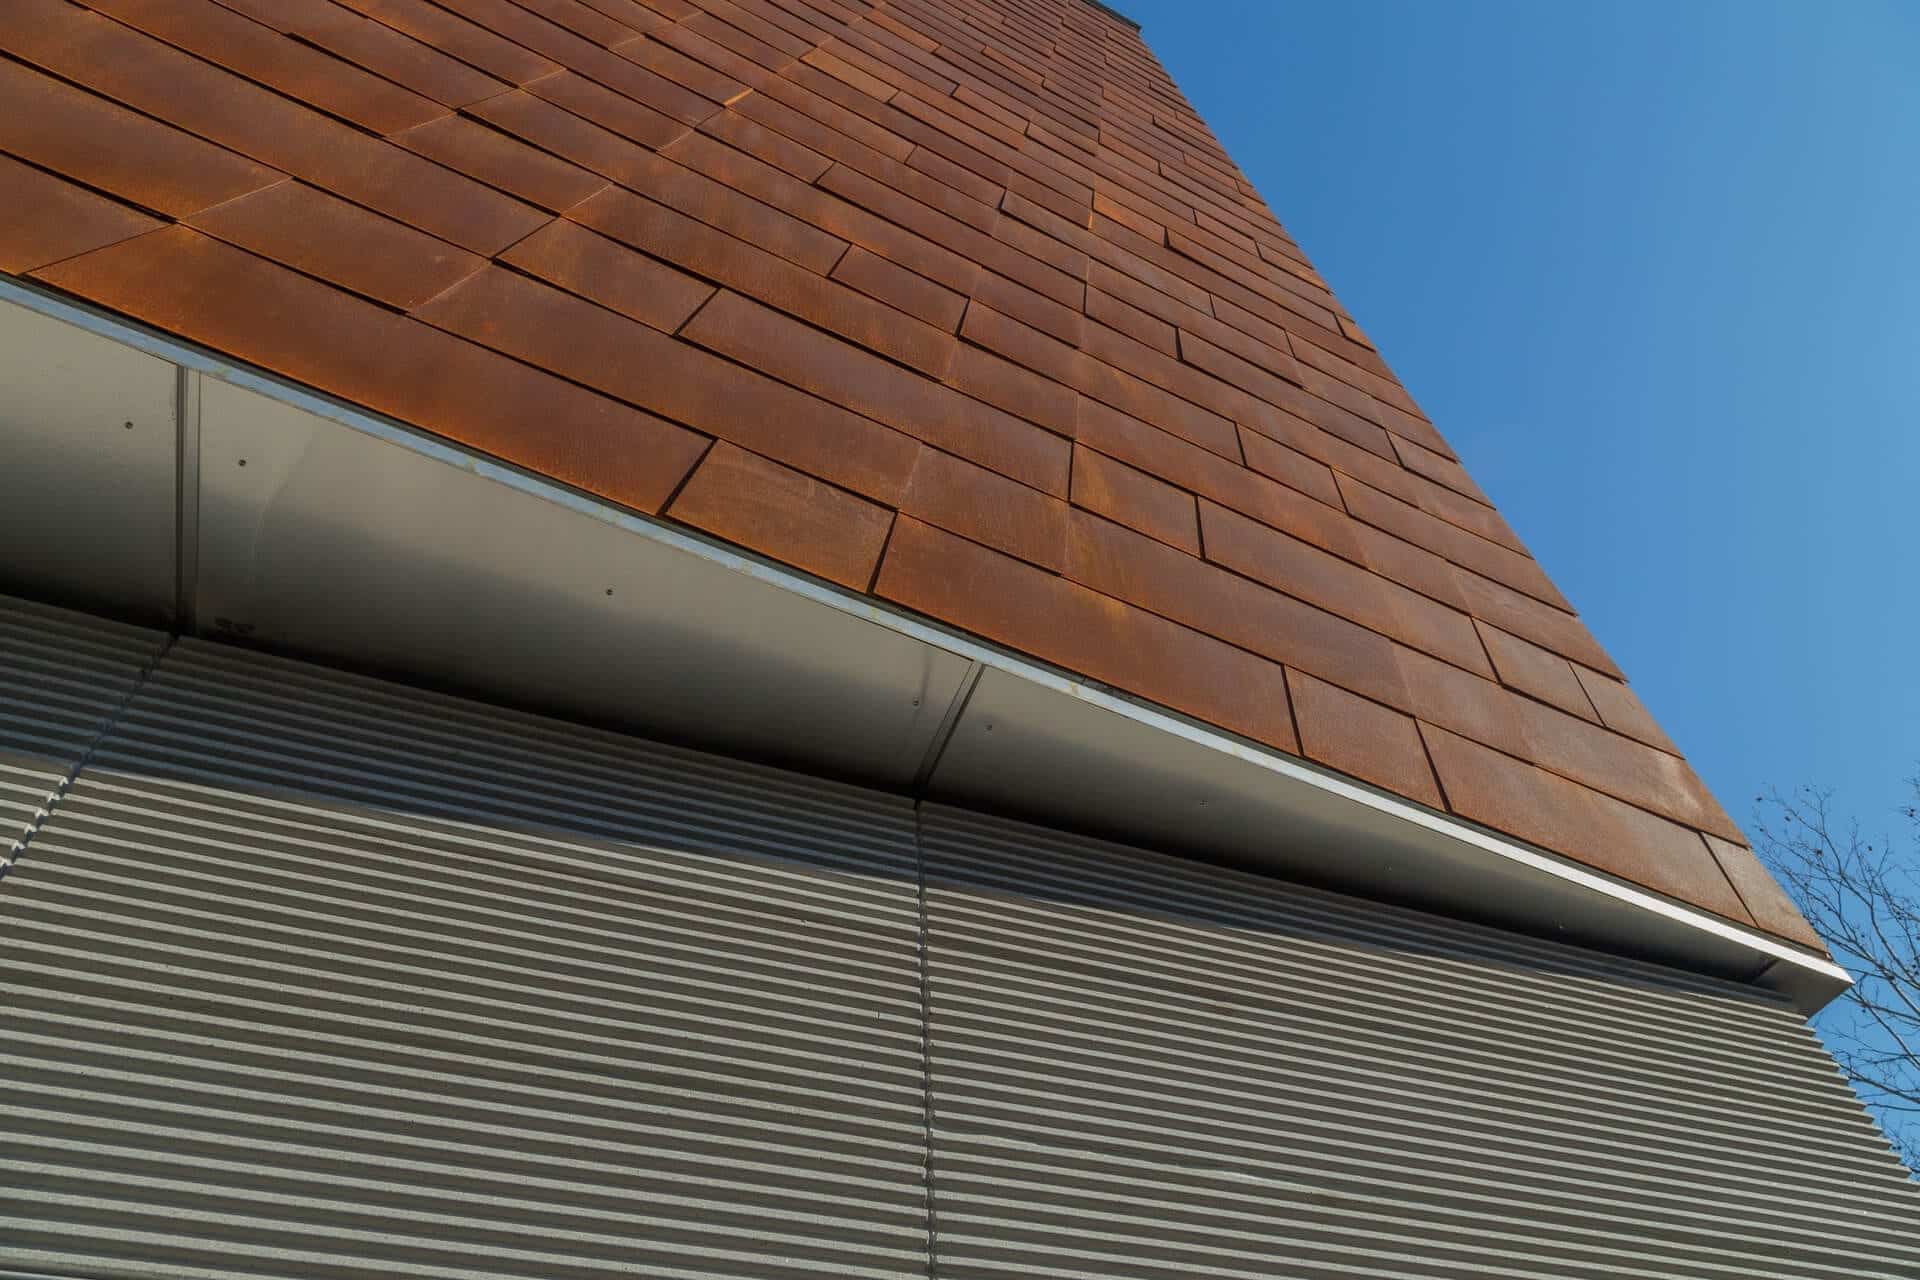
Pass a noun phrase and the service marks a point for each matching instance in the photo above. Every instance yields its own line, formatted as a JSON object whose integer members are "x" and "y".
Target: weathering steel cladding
{"x": 957, "y": 302}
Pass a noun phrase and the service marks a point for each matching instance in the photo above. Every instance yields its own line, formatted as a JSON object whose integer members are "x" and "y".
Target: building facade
{"x": 792, "y": 637}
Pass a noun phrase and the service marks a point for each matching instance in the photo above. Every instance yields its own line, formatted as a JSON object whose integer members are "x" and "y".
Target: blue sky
{"x": 1654, "y": 270}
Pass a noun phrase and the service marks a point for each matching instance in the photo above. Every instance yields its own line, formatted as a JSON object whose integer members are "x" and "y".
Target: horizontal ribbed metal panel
{"x": 313, "y": 975}
{"x": 316, "y": 976}
{"x": 1146, "y": 1067}
{"x": 62, "y": 674}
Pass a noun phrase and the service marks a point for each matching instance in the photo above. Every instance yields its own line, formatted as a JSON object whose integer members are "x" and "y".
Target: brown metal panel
{"x": 1146, "y": 446}
{"x": 740, "y": 264}
{"x": 642, "y": 366}
{"x": 307, "y": 229}
{"x": 1365, "y": 739}
{"x": 1523, "y": 800}
{"x": 717, "y": 205}
{"x": 1059, "y": 621}
{"x": 378, "y": 48}
{"x": 1006, "y": 385}
{"x": 1536, "y": 672}
{"x": 918, "y": 255}
{"x": 567, "y": 254}
{"x": 1426, "y": 462}
{"x": 764, "y": 144}
{"x": 1288, "y": 564}
{"x": 1135, "y": 499}
{"x": 43, "y": 220}
{"x": 1568, "y": 745}
{"x": 471, "y": 43}
{"x": 773, "y": 509}
{"x": 1106, "y": 383}
{"x": 1621, "y": 710}
{"x": 161, "y": 81}
{"x": 578, "y": 141}
{"x": 1768, "y": 903}
{"x": 490, "y": 156}
{"x": 1135, "y": 568}
{"x": 186, "y": 283}
{"x": 261, "y": 54}
{"x": 988, "y": 508}
{"x": 846, "y": 375}
{"x": 93, "y": 141}
{"x": 901, "y": 289}
{"x": 1463, "y": 548}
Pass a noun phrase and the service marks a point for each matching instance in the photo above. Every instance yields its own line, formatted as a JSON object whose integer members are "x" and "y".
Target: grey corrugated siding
{"x": 317, "y": 976}
{"x": 1144, "y": 1067}
{"x": 62, "y": 675}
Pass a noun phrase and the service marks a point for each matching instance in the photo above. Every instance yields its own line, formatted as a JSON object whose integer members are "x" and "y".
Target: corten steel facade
{"x": 1136, "y": 808}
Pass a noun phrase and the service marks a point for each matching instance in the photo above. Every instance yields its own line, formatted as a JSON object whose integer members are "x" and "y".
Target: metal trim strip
{"x": 1770, "y": 953}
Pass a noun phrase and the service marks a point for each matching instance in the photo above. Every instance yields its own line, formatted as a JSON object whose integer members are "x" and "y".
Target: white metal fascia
{"x": 1770, "y": 954}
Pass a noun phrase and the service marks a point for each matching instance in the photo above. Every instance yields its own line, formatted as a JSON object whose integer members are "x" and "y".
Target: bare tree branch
{"x": 1865, "y": 901}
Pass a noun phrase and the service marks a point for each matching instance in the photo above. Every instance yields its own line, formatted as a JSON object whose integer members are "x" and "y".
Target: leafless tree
{"x": 1863, "y": 896}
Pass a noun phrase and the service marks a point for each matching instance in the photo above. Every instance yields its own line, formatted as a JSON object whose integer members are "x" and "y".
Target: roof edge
{"x": 1173, "y": 746}
{"x": 1112, "y": 12}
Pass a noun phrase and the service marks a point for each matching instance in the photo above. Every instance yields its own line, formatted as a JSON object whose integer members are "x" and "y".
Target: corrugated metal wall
{"x": 1144, "y": 1067}
{"x": 309, "y": 975}
{"x": 63, "y": 676}
{"x": 314, "y": 976}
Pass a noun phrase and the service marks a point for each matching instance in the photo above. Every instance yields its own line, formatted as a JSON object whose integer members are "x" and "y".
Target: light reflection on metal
{"x": 913, "y": 699}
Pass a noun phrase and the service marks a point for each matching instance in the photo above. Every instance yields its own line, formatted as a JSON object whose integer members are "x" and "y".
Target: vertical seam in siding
{"x": 186, "y": 498}
{"x": 107, "y": 726}
{"x": 943, "y": 732}
{"x": 926, "y": 1041}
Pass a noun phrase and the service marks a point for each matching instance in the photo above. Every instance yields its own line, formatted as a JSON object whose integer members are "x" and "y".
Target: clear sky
{"x": 1654, "y": 270}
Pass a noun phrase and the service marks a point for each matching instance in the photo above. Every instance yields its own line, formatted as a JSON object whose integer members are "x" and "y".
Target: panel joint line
{"x": 926, "y": 1033}
{"x": 107, "y": 725}
{"x": 186, "y": 551}
{"x": 937, "y": 747}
